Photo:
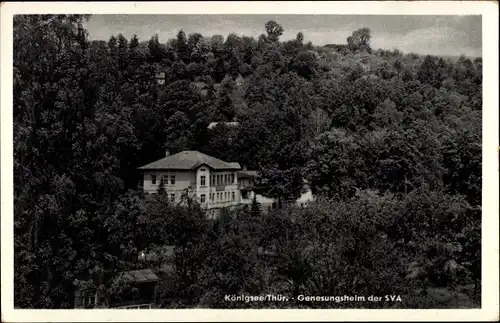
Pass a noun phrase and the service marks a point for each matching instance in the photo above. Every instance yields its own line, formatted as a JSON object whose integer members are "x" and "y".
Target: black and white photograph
{"x": 241, "y": 161}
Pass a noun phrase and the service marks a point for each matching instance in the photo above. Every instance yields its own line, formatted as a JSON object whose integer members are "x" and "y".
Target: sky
{"x": 421, "y": 34}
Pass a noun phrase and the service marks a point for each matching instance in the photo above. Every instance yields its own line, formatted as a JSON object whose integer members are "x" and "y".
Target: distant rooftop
{"x": 231, "y": 124}
{"x": 140, "y": 276}
{"x": 190, "y": 160}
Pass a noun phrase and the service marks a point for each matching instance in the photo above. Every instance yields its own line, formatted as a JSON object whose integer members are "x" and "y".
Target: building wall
{"x": 215, "y": 196}
{"x": 266, "y": 203}
{"x": 221, "y": 191}
{"x": 245, "y": 181}
{"x": 204, "y": 190}
{"x": 209, "y": 195}
{"x": 305, "y": 198}
{"x": 183, "y": 180}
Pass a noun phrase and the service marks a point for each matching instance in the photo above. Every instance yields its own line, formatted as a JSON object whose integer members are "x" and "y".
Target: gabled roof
{"x": 230, "y": 124}
{"x": 140, "y": 276}
{"x": 191, "y": 160}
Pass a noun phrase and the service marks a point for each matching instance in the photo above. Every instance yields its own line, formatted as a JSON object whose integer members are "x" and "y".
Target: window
{"x": 213, "y": 180}
{"x": 202, "y": 181}
{"x": 218, "y": 179}
{"x": 217, "y": 196}
{"x": 225, "y": 196}
{"x": 165, "y": 179}
{"x": 233, "y": 196}
{"x": 202, "y": 169}
{"x": 232, "y": 178}
{"x": 202, "y": 198}
{"x": 172, "y": 197}
{"x": 225, "y": 179}
{"x": 172, "y": 179}
{"x": 153, "y": 179}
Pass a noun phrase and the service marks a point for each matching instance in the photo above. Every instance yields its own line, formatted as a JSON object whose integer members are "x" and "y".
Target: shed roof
{"x": 248, "y": 173}
{"x": 230, "y": 124}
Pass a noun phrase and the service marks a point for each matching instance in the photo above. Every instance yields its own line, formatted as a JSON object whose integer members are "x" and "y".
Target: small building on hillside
{"x": 136, "y": 290}
{"x": 227, "y": 124}
{"x": 160, "y": 77}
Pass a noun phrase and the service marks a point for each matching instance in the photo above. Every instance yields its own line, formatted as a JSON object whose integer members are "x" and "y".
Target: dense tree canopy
{"x": 390, "y": 144}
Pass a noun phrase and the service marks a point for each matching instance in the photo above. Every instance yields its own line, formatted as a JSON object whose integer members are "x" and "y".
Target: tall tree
{"x": 182, "y": 47}
{"x": 274, "y": 31}
{"x": 360, "y": 40}
{"x": 427, "y": 72}
{"x": 255, "y": 208}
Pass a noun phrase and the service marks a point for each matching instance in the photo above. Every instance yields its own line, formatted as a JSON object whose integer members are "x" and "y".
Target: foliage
{"x": 390, "y": 143}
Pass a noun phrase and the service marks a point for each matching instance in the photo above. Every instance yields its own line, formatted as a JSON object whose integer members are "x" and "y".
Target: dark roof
{"x": 140, "y": 276}
{"x": 190, "y": 159}
{"x": 166, "y": 269}
{"x": 166, "y": 251}
{"x": 248, "y": 173}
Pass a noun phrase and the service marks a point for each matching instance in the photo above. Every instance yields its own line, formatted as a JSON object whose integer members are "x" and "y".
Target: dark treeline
{"x": 390, "y": 143}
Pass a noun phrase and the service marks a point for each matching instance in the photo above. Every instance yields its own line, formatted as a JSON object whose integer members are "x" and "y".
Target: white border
{"x": 490, "y": 294}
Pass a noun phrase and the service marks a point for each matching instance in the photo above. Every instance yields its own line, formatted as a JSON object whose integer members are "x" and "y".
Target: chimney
{"x": 245, "y": 167}
{"x": 167, "y": 153}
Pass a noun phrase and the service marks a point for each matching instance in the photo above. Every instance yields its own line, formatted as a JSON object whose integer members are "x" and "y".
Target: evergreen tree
{"x": 161, "y": 188}
{"x": 182, "y": 46}
{"x": 255, "y": 208}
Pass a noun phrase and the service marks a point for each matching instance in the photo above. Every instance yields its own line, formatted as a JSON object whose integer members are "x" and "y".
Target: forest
{"x": 389, "y": 142}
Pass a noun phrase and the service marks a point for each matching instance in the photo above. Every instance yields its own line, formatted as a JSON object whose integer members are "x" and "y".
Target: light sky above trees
{"x": 436, "y": 35}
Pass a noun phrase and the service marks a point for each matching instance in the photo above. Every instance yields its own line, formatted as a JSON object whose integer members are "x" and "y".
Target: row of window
{"x": 219, "y": 197}
{"x": 164, "y": 178}
{"x": 226, "y": 179}
{"x": 217, "y": 180}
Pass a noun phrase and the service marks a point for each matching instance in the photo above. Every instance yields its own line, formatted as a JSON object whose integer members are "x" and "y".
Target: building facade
{"x": 210, "y": 181}
{"x": 213, "y": 183}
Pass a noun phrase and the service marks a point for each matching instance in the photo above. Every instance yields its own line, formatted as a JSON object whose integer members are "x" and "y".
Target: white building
{"x": 214, "y": 183}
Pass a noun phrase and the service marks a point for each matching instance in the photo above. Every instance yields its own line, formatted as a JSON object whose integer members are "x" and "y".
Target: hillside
{"x": 389, "y": 142}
